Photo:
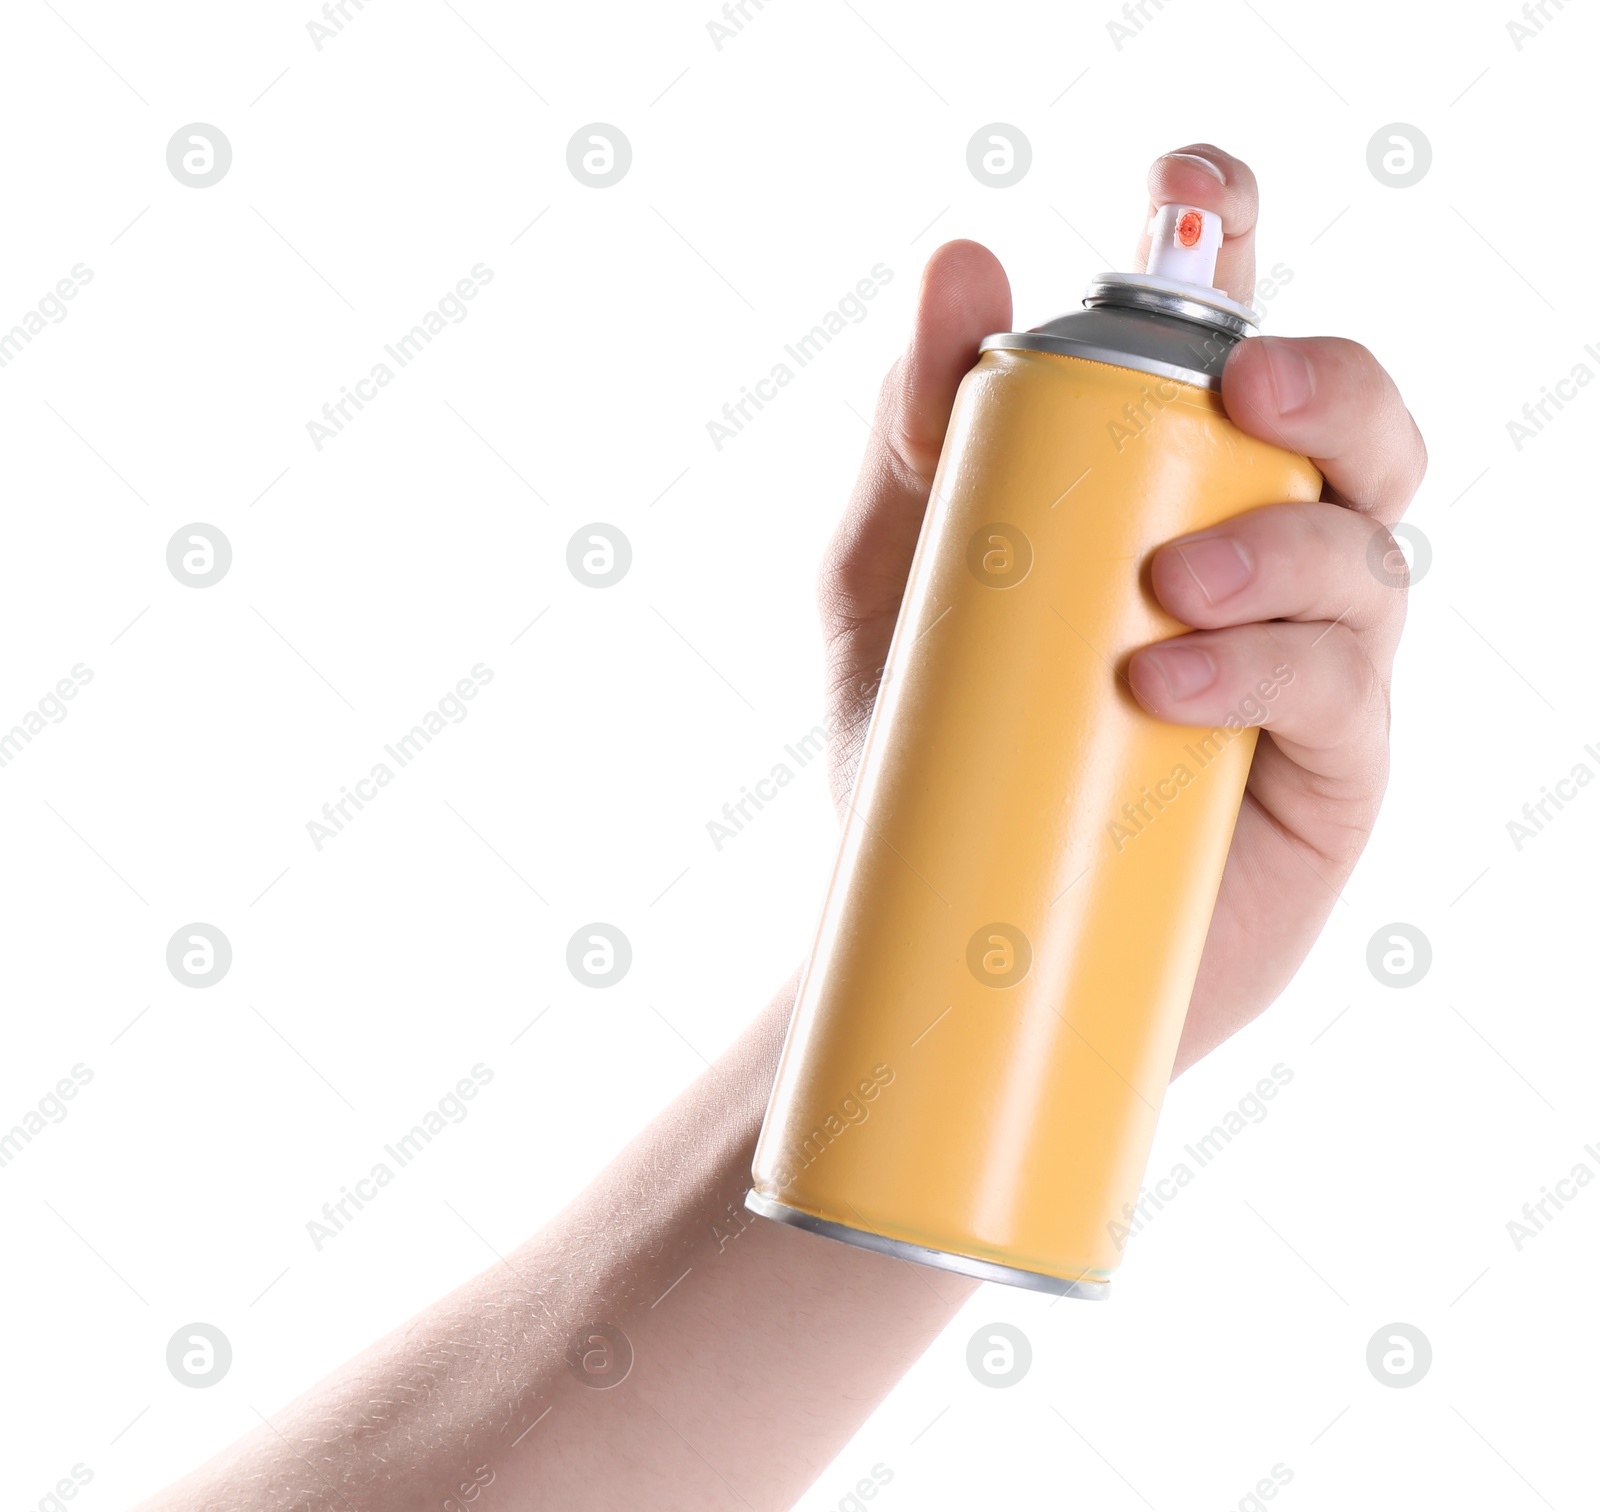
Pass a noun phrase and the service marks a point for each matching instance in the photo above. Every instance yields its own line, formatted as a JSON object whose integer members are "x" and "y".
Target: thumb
{"x": 964, "y": 297}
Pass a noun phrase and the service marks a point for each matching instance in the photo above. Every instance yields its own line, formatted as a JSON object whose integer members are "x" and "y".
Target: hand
{"x": 1285, "y": 583}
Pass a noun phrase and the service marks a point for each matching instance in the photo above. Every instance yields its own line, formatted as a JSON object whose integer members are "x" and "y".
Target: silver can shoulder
{"x": 1145, "y": 331}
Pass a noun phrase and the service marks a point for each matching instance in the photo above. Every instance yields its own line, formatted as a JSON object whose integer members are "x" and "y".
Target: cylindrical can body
{"x": 988, "y": 1020}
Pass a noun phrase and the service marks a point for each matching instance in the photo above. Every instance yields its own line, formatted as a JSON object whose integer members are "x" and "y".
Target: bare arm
{"x": 757, "y": 1350}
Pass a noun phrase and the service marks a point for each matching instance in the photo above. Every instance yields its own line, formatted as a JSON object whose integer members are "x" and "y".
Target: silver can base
{"x": 918, "y": 1254}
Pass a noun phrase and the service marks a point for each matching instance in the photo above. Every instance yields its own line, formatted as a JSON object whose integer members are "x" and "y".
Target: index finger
{"x": 1330, "y": 400}
{"x": 1210, "y": 179}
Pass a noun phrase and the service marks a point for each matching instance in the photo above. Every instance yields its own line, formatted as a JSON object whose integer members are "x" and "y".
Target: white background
{"x": 368, "y": 577}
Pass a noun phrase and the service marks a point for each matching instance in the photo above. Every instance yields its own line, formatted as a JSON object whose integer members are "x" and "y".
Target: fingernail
{"x": 1293, "y": 382}
{"x": 1195, "y": 160}
{"x": 1220, "y": 565}
{"x": 1187, "y": 669}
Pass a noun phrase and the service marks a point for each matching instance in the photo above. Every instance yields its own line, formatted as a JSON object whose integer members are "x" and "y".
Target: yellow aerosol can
{"x": 988, "y": 1020}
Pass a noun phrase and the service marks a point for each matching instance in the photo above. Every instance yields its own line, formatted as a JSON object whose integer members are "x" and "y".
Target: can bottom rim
{"x": 919, "y": 1254}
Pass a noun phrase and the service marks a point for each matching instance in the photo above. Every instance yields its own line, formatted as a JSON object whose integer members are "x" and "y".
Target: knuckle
{"x": 1359, "y": 373}
{"x": 1394, "y": 583}
{"x": 1317, "y": 529}
{"x": 1340, "y": 691}
{"x": 833, "y": 580}
{"x": 1362, "y": 701}
{"x": 1413, "y": 460}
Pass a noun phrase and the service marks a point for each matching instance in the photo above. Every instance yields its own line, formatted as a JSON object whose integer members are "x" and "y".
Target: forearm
{"x": 758, "y": 1350}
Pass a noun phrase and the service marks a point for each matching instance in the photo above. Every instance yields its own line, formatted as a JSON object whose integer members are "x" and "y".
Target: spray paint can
{"x": 988, "y": 1020}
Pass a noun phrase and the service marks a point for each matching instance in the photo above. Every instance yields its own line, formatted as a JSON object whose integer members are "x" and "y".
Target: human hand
{"x": 1284, "y": 583}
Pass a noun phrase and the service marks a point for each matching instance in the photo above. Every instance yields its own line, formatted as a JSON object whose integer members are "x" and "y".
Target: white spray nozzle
{"x": 1184, "y": 242}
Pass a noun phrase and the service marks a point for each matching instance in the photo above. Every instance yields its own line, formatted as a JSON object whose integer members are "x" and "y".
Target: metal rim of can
{"x": 1208, "y": 307}
{"x": 1082, "y": 1289}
